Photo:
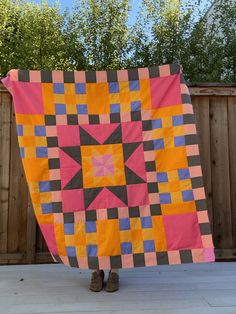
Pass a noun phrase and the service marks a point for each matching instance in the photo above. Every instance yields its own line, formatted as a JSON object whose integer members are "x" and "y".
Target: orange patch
{"x": 81, "y": 251}
{"x": 36, "y": 169}
{"x": 135, "y": 95}
{"x": 28, "y": 141}
{"x": 97, "y": 98}
{"x": 60, "y": 239}
{"x": 147, "y": 234}
{"x": 167, "y": 111}
{"x": 59, "y": 98}
{"x": 40, "y": 140}
{"x": 91, "y": 238}
{"x": 70, "y": 240}
{"x": 45, "y": 219}
{"x": 125, "y": 98}
{"x": 171, "y": 158}
{"x": 178, "y": 208}
{"x": 70, "y": 99}
{"x": 80, "y": 235}
{"x": 186, "y": 184}
{"x": 125, "y": 236}
{"x": 137, "y": 246}
{"x": 124, "y": 86}
{"x": 36, "y": 119}
{"x": 69, "y": 89}
{"x": 136, "y": 235}
{"x": 46, "y": 197}
{"x": 145, "y": 94}
{"x": 159, "y": 233}
{"x": 35, "y": 197}
{"x": 176, "y": 197}
{"x": 174, "y": 186}
{"x": 108, "y": 237}
{"x": 135, "y": 223}
{"x": 168, "y": 132}
{"x": 48, "y": 98}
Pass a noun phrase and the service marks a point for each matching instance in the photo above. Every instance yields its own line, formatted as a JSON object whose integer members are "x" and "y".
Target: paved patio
{"x": 55, "y": 288}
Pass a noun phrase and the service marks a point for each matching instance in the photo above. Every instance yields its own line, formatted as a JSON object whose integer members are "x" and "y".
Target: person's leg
{"x": 96, "y": 270}
{"x": 97, "y": 279}
{"x": 115, "y": 270}
{"x": 113, "y": 280}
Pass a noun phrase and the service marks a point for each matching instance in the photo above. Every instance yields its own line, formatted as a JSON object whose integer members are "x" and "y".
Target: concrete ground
{"x": 56, "y": 288}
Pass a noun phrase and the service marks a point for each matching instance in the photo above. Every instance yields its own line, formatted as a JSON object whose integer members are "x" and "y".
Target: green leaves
{"x": 97, "y": 35}
{"x": 31, "y": 36}
{"x": 100, "y": 28}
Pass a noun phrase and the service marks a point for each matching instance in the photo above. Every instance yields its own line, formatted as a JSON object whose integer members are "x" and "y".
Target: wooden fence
{"x": 215, "y": 107}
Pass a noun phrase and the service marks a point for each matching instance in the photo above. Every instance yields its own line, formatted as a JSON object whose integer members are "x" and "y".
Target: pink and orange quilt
{"x": 112, "y": 164}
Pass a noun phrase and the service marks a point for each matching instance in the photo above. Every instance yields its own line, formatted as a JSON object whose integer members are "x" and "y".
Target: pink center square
{"x": 103, "y": 165}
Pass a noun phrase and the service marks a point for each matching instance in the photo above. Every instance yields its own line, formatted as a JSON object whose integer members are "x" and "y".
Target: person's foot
{"x": 97, "y": 279}
{"x": 112, "y": 282}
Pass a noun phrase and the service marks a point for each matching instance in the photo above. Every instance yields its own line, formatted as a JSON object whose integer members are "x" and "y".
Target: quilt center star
{"x": 103, "y": 165}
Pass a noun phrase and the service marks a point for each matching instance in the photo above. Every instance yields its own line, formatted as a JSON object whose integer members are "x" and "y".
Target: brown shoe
{"x": 112, "y": 282}
{"x": 97, "y": 279}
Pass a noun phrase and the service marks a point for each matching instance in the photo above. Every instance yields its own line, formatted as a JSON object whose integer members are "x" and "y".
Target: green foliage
{"x": 96, "y": 35}
{"x": 31, "y": 36}
{"x": 225, "y": 14}
{"x": 178, "y": 35}
{"x": 100, "y": 29}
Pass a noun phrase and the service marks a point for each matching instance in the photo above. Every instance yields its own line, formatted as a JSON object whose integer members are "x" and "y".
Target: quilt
{"x": 112, "y": 164}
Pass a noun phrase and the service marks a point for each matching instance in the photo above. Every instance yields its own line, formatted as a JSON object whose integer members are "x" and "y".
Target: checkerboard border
{"x": 93, "y": 76}
{"x": 183, "y": 256}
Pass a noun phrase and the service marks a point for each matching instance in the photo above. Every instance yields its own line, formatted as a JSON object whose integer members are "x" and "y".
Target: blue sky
{"x": 135, "y": 5}
{"x": 69, "y": 3}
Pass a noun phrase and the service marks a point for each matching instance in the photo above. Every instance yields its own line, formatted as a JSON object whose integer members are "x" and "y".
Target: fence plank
{"x": 213, "y": 90}
{"x": 232, "y": 161}
{"x": 201, "y": 110}
{"x": 17, "y": 196}
{"x": 5, "y": 120}
{"x": 40, "y": 243}
{"x": 31, "y": 232}
{"x": 22, "y": 194}
{"x": 220, "y": 172}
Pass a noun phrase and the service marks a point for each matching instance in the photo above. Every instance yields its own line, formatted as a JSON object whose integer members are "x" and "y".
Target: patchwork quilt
{"x": 112, "y": 163}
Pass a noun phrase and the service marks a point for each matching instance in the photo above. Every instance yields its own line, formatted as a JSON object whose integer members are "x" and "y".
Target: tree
{"x": 96, "y": 35}
{"x": 31, "y": 36}
{"x": 224, "y": 16}
{"x": 100, "y": 29}
{"x": 175, "y": 33}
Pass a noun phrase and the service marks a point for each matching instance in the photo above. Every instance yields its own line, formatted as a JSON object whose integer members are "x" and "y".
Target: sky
{"x": 134, "y": 3}
{"x": 69, "y": 4}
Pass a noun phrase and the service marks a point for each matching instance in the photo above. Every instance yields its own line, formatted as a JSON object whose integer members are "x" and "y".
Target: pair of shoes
{"x": 112, "y": 282}
{"x": 97, "y": 281}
